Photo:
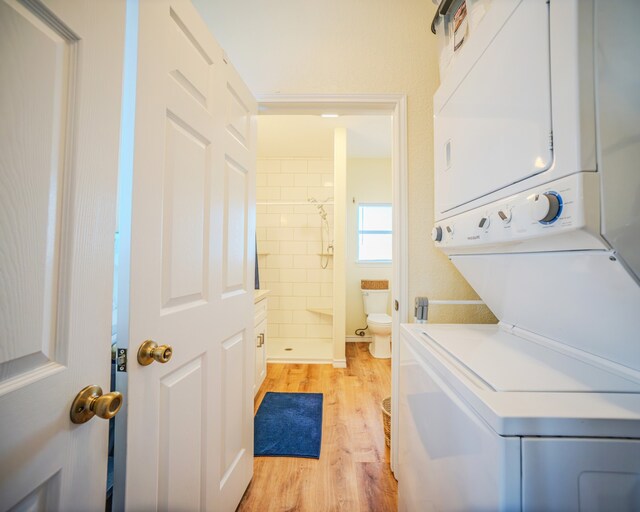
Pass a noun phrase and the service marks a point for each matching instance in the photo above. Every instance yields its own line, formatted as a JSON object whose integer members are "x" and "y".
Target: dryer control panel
{"x": 560, "y": 215}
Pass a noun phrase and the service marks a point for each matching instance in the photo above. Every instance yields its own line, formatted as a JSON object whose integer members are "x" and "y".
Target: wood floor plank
{"x": 376, "y": 495}
{"x": 353, "y": 470}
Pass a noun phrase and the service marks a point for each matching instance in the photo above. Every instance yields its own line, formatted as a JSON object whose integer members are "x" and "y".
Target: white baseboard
{"x": 297, "y": 360}
{"x": 339, "y": 363}
{"x": 356, "y": 339}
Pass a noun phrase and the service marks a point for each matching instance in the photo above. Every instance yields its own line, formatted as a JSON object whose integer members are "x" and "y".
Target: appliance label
{"x": 459, "y": 26}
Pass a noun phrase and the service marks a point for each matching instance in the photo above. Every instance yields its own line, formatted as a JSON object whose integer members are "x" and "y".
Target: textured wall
{"x": 355, "y": 46}
{"x": 368, "y": 181}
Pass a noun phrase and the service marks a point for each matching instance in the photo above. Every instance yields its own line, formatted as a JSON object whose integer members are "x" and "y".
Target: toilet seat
{"x": 379, "y": 318}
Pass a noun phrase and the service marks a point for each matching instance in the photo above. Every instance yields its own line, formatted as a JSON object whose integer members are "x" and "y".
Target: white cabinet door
{"x": 190, "y": 421}
{"x": 60, "y": 89}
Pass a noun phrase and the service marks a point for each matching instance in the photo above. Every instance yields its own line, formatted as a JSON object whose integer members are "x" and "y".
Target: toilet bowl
{"x": 375, "y": 303}
{"x": 380, "y": 328}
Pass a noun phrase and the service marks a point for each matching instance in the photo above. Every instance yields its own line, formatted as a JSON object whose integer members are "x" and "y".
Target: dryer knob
{"x": 505, "y": 215}
{"x": 544, "y": 207}
{"x": 436, "y": 234}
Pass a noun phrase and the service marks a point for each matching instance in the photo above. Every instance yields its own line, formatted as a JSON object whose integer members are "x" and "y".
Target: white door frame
{"x": 371, "y": 104}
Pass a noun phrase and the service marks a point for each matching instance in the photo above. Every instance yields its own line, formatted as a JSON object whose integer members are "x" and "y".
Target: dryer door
{"x": 493, "y": 110}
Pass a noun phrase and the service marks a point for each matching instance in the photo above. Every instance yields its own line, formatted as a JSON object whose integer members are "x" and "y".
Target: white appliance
{"x": 537, "y": 203}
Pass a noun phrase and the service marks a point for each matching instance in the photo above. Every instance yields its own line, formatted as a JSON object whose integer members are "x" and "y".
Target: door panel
{"x": 232, "y": 383}
{"x": 235, "y": 227}
{"x": 180, "y": 424}
{"x": 238, "y": 115}
{"x": 35, "y": 170}
{"x": 186, "y": 201}
{"x": 190, "y": 63}
{"x": 190, "y": 266}
{"x": 44, "y": 497}
{"x": 60, "y": 91}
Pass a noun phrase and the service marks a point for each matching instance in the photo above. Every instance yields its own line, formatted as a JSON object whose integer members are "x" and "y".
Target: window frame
{"x": 360, "y": 232}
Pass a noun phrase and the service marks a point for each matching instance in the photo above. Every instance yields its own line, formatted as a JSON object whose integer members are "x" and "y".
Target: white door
{"x": 190, "y": 420}
{"x": 60, "y": 84}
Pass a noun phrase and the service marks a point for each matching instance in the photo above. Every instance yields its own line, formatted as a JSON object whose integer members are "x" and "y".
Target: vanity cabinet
{"x": 260, "y": 339}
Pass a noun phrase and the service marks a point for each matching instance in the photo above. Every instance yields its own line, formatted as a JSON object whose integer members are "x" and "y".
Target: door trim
{"x": 370, "y": 104}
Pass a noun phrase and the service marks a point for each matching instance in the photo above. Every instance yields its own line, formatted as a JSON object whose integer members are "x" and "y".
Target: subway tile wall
{"x": 288, "y": 229}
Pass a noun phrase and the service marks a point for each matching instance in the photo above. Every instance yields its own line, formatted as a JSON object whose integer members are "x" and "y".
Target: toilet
{"x": 375, "y": 300}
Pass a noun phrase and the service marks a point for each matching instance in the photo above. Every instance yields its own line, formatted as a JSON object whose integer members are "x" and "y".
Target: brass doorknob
{"x": 149, "y": 352}
{"x": 91, "y": 402}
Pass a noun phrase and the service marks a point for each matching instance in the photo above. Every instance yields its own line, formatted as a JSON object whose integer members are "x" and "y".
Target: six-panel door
{"x": 190, "y": 421}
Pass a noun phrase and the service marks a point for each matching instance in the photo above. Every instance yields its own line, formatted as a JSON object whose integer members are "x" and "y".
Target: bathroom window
{"x": 374, "y": 233}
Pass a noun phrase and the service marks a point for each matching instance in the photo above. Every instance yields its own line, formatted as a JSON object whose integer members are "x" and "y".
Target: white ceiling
{"x": 368, "y": 136}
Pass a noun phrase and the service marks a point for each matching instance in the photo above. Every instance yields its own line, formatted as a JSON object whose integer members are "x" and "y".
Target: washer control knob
{"x": 505, "y": 215}
{"x": 484, "y": 223}
{"x": 436, "y": 234}
{"x": 545, "y": 208}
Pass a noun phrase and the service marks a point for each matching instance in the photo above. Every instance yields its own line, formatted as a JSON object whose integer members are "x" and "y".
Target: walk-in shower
{"x": 295, "y": 231}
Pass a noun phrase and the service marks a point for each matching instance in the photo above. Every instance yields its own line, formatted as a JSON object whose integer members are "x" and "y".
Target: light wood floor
{"x": 353, "y": 472}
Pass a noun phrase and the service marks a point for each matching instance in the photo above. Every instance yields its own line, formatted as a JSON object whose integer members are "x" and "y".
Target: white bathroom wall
{"x": 289, "y": 247}
{"x": 368, "y": 181}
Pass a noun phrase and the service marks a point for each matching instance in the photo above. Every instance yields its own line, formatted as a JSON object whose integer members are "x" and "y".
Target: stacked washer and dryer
{"x": 537, "y": 203}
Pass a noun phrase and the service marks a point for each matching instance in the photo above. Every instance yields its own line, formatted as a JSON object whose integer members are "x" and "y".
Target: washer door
{"x": 493, "y": 110}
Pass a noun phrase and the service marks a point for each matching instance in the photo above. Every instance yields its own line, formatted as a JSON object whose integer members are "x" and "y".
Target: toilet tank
{"x": 375, "y": 301}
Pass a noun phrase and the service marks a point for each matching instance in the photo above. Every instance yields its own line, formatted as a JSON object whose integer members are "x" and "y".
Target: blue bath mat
{"x": 289, "y": 425}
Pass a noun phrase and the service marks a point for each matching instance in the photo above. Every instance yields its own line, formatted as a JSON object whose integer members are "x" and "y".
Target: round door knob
{"x": 149, "y": 352}
{"x": 91, "y": 402}
{"x": 436, "y": 234}
{"x": 545, "y": 207}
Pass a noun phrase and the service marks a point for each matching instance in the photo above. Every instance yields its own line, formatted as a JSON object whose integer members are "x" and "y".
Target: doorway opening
{"x": 394, "y": 108}
{"x": 116, "y": 469}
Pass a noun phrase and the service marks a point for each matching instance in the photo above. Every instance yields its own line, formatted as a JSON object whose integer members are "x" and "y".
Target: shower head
{"x": 319, "y": 206}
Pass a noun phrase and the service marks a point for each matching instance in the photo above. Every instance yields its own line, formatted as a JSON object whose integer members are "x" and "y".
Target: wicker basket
{"x": 386, "y": 420}
{"x": 374, "y": 284}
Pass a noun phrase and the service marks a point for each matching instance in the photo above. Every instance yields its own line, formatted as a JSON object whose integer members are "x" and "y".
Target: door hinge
{"x": 121, "y": 360}
{"x": 551, "y": 140}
